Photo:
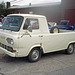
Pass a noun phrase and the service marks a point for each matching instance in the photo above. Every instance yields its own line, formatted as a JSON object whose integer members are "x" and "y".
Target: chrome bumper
{"x": 8, "y": 52}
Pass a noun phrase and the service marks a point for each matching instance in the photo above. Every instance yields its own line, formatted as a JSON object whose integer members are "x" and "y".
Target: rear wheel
{"x": 34, "y": 55}
{"x": 70, "y": 49}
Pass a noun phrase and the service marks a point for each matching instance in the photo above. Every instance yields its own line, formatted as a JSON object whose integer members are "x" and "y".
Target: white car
{"x": 28, "y": 35}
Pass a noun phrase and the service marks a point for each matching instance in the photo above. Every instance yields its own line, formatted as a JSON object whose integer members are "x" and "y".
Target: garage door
{"x": 70, "y": 15}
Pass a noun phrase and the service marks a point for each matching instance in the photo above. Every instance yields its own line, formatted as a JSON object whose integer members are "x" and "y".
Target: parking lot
{"x": 57, "y": 63}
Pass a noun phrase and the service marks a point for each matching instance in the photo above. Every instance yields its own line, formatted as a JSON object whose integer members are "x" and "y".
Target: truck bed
{"x": 64, "y": 31}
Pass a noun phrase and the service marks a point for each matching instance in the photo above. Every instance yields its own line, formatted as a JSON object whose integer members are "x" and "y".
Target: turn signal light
{"x": 14, "y": 50}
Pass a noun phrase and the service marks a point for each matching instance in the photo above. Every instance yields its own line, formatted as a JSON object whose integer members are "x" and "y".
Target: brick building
{"x": 53, "y": 11}
{"x": 68, "y": 10}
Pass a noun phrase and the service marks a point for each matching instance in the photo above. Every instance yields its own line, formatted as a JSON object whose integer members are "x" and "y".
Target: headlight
{"x": 10, "y": 41}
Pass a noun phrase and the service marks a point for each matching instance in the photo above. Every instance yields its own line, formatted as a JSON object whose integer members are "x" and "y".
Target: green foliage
{"x": 2, "y": 9}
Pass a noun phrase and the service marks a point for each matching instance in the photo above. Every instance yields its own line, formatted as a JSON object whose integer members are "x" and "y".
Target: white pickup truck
{"x": 28, "y": 35}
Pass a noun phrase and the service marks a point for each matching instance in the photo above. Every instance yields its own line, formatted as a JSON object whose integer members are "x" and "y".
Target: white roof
{"x": 31, "y": 15}
{"x": 35, "y": 5}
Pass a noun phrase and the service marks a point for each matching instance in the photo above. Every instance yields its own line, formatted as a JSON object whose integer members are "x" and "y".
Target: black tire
{"x": 70, "y": 49}
{"x": 54, "y": 30}
{"x": 34, "y": 55}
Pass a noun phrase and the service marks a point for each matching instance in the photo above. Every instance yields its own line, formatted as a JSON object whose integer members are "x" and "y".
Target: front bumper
{"x": 8, "y": 52}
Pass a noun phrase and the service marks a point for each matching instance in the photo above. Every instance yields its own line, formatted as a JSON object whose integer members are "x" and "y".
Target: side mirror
{"x": 29, "y": 28}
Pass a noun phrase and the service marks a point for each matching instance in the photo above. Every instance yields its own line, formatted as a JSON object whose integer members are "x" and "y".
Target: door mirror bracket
{"x": 29, "y": 28}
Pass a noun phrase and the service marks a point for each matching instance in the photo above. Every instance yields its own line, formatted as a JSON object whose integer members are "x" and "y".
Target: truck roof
{"x": 31, "y": 15}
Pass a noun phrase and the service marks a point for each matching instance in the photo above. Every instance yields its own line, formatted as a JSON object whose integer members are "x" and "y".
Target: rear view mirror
{"x": 29, "y": 28}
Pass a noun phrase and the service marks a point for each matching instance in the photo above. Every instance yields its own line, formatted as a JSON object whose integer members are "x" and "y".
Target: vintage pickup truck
{"x": 28, "y": 35}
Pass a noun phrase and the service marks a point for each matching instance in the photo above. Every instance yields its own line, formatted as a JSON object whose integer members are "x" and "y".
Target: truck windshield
{"x": 12, "y": 23}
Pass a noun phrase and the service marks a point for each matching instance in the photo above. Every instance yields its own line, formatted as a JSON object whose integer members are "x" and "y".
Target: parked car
{"x": 64, "y": 24}
{"x": 0, "y": 24}
{"x": 3, "y": 20}
{"x": 18, "y": 37}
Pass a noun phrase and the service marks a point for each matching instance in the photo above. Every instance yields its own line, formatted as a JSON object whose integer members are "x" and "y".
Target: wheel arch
{"x": 73, "y": 42}
{"x": 70, "y": 48}
{"x": 36, "y": 46}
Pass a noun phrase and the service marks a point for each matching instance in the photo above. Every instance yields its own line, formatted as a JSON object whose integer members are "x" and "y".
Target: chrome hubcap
{"x": 71, "y": 48}
{"x": 35, "y": 54}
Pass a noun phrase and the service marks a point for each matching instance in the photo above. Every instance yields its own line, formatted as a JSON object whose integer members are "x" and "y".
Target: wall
{"x": 52, "y": 12}
{"x": 66, "y": 5}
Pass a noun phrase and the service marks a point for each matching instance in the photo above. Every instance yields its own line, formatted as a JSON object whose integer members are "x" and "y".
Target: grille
{"x": 6, "y": 47}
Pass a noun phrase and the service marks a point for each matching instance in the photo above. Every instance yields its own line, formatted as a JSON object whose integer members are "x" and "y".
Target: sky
{"x": 26, "y": 2}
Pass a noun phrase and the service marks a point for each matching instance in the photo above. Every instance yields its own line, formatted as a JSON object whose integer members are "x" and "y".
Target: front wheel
{"x": 70, "y": 49}
{"x": 34, "y": 55}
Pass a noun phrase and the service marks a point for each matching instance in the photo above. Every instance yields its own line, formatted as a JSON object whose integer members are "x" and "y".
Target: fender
{"x": 72, "y": 42}
{"x": 34, "y": 46}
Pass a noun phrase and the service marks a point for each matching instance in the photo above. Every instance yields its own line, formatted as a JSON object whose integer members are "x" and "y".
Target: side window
{"x": 31, "y": 22}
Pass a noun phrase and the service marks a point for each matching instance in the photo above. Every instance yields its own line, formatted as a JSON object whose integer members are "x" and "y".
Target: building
{"x": 53, "y": 11}
{"x": 68, "y": 11}
{"x": 50, "y": 10}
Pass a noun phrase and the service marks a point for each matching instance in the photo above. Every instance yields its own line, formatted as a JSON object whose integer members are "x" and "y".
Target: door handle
{"x": 40, "y": 35}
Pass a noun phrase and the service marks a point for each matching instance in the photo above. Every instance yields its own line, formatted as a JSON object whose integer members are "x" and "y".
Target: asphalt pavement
{"x": 57, "y": 63}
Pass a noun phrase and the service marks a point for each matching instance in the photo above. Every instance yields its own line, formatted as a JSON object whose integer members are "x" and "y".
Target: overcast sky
{"x": 26, "y": 2}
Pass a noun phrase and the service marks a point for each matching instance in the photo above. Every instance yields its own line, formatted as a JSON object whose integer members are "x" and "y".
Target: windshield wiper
{"x": 6, "y": 29}
{"x": 9, "y": 29}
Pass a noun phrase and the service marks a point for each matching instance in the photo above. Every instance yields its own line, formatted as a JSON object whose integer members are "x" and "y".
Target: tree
{"x": 2, "y": 9}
